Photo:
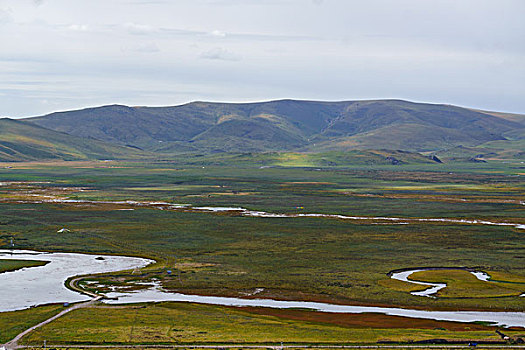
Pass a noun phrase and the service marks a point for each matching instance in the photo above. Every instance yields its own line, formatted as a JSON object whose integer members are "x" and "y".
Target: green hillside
{"x": 518, "y": 118}
{"x": 288, "y": 125}
{"x": 513, "y": 147}
{"x": 22, "y": 141}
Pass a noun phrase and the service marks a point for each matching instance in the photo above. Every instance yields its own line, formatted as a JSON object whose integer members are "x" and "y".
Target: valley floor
{"x": 305, "y": 258}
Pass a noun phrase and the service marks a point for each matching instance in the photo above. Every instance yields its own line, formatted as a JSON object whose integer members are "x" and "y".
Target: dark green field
{"x": 13, "y": 265}
{"x": 322, "y": 259}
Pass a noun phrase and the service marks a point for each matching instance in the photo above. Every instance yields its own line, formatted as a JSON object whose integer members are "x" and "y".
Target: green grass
{"x": 462, "y": 284}
{"x": 309, "y": 258}
{"x": 291, "y": 258}
{"x": 13, "y": 265}
{"x": 360, "y": 190}
{"x": 15, "y": 322}
{"x": 186, "y": 323}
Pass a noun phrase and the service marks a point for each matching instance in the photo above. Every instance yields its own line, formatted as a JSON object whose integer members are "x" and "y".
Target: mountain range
{"x": 118, "y": 131}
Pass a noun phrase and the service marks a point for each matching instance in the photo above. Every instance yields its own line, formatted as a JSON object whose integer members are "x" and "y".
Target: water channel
{"x": 33, "y": 286}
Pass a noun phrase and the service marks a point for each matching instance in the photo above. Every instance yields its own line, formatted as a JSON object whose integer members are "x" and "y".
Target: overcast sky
{"x": 67, "y": 54}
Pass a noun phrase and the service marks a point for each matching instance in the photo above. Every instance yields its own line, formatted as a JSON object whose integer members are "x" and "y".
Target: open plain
{"x": 158, "y": 210}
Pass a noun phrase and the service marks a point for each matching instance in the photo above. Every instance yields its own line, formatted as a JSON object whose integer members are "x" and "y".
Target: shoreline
{"x": 71, "y": 284}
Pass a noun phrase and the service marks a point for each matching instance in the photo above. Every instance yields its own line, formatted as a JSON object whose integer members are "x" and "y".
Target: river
{"x": 45, "y": 284}
{"x": 27, "y": 287}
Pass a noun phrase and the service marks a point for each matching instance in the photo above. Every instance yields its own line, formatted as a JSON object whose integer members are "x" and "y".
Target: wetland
{"x": 293, "y": 235}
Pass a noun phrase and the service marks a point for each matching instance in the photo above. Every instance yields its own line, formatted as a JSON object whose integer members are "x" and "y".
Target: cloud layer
{"x": 65, "y": 54}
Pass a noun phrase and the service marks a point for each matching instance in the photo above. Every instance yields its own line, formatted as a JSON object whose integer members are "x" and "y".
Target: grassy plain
{"x": 13, "y": 265}
{"x": 462, "y": 284}
{"x": 291, "y": 258}
{"x": 186, "y": 323}
{"x": 14, "y": 322}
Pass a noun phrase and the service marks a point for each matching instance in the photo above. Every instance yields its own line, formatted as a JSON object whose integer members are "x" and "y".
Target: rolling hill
{"x": 288, "y": 125}
{"x": 23, "y": 141}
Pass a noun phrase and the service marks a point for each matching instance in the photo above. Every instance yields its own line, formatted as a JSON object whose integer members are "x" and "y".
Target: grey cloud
{"x": 218, "y": 33}
{"x": 244, "y": 36}
{"x": 148, "y": 2}
{"x": 230, "y": 35}
{"x": 245, "y": 2}
{"x": 5, "y": 16}
{"x": 220, "y": 53}
{"x": 78, "y": 27}
{"x": 139, "y": 29}
{"x": 147, "y": 48}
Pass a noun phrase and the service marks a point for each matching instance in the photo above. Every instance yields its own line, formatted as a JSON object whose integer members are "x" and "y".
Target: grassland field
{"x": 291, "y": 258}
{"x": 186, "y": 323}
{"x": 461, "y": 284}
{"x": 14, "y": 322}
{"x": 13, "y": 265}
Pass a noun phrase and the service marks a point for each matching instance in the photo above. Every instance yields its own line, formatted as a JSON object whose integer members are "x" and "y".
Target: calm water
{"x": 45, "y": 284}
{"x": 24, "y": 288}
{"x": 155, "y": 293}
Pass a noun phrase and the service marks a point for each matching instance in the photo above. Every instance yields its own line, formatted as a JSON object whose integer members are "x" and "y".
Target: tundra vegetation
{"x": 13, "y": 265}
{"x": 302, "y": 258}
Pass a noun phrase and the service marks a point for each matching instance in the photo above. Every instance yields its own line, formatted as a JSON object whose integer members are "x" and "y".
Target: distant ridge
{"x": 289, "y": 125}
{"x": 23, "y": 141}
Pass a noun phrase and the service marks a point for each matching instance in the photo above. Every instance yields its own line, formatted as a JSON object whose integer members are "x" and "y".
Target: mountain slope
{"x": 22, "y": 141}
{"x": 286, "y": 125}
{"x": 518, "y": 118}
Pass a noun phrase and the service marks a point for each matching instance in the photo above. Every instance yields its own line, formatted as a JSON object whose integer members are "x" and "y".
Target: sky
{"x": 69, "y": 54}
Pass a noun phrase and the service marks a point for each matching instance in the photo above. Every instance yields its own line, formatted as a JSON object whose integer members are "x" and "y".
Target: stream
{"x": 434, "y": 287}
{"x": 263, "y": 214}
{"x": 40, "y": 285}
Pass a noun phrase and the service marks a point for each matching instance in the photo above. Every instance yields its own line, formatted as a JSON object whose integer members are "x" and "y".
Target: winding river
{"x": 434, "y": 287}
{"x": 130, "y": 204}
{"x": 156, "y": 293}
{"x": 27, "y": 287}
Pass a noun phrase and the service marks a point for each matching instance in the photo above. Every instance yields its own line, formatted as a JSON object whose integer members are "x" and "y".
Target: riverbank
{"x": 39, "y": 286}
{"x": 198, "y": 324}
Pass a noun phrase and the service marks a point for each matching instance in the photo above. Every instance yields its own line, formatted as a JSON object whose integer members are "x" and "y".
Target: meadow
{"x": 319, "y": 259}
{"x": 13, "y": 265}
{"x": 186, "y": 323}
{"x": 14, "y": 322}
